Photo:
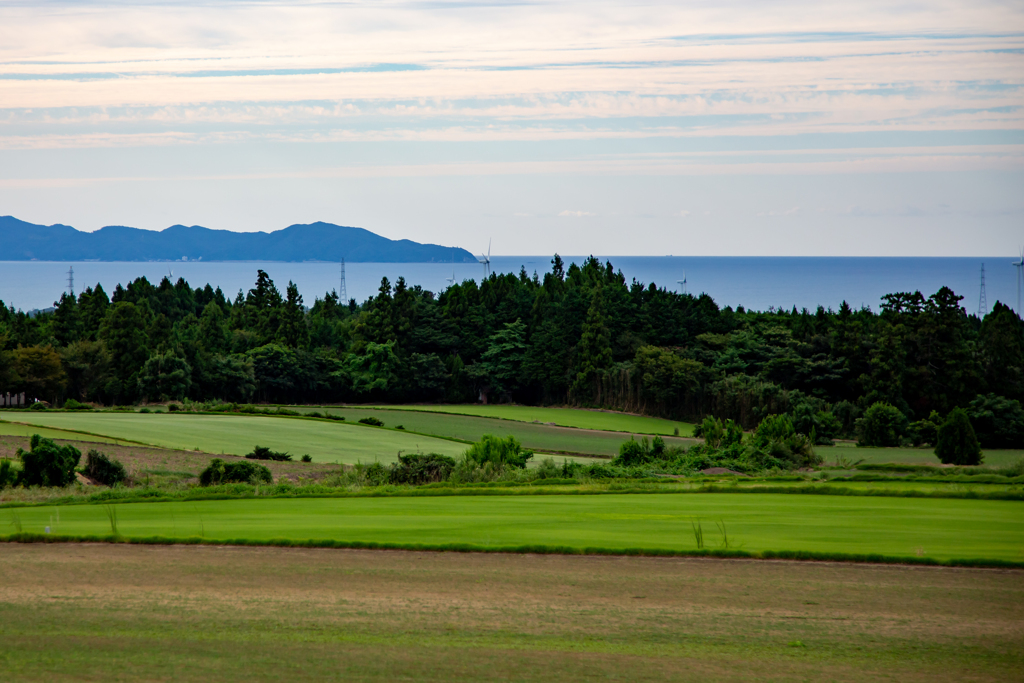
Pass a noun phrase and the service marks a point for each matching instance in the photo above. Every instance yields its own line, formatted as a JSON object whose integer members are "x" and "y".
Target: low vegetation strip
{"x": 718, "y": 553}
{"x": 936, "y": 529}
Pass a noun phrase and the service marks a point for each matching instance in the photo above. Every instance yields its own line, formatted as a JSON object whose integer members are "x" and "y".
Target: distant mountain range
{"x": 21, "y": 241}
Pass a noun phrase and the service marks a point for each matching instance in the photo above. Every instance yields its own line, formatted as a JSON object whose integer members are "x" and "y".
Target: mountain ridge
{"x": 318, "y": 241}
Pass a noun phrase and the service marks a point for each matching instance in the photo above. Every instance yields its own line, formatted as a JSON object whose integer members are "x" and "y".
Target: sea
{"x": 757, "y": 283}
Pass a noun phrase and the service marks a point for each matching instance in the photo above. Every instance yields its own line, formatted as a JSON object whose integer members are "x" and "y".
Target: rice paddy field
{"x": 156, "y": 613}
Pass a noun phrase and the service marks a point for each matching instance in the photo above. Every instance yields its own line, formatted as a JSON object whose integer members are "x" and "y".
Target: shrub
{"x": 145, "y": 410}
{"x": 314, "y": 413}
{"x": 925, "y": 431}
{"x": 507, "y": 451}
{"x": 8, "y": 475}
{"x": 548, "y": 469}
{"x": 957, "y": 443}
{"x": 307, "y": 458}
{"x": 38, "y": 405}
{"x": 72, "y": 404}
{"x": 104, "y": 470}
{"x": 374, "y": 474}
{"x": 263, "y": 453}
{"x": 998, "y": 422}
{"x": 173, "y": 407}
{"x": 286, "y": 411}
{"x": 777, "y": 444}
{"x": 882, "y": 425}
{"x": 372, "y": 421}
{"x": 418, "y": 468}
{"x": 48, "y": 464}
{"x": 242, "y": 471}
{"x": 717, "y": 433}
{"x": 399, "y": 427}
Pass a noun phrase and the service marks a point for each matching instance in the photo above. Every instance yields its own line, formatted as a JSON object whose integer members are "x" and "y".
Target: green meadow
{"x": 237, "y": 434}
{"x": 910, "y": 456}
{"x": 539, "y": 437}
{"x": 563, "y": 417}
{"x": 905, "y": 527}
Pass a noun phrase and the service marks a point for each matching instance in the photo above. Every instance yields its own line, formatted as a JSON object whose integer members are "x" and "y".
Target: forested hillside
{"x": 581, "y": 336}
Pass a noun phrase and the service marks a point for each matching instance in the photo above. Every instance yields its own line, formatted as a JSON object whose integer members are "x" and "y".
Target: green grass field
{"x": 910, "y": 456}
{"x": 935, "y": 528}
{"x": 12, "y": 429}
{"x": 237, "y": 434}
{"x": 562, "y": 417}
{"x": 158, "y": 613}
{"x": 539, "y": 437}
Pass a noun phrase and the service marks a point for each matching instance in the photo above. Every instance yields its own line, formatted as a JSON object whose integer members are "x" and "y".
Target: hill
{"x": 22, "y": 241}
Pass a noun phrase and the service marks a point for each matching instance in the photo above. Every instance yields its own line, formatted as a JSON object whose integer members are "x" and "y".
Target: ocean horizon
{"x": 755, "y": 282}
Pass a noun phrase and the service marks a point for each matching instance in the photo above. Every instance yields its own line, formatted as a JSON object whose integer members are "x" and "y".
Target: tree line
{"x": 580, "y": 335}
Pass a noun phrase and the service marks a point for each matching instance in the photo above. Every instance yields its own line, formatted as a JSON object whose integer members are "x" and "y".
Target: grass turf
{"x": 12, "y": 429}
{"x": 562, "y": 417}
{"x": 539, "y": 437}
{"x": 914, "y": 456}
{"x": 237, "y": 434}
{"x": 940, "y": 529}
{"x": 100, "y": 612}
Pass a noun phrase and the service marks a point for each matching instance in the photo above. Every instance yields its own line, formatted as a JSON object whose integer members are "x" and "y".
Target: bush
{"x": 145, "y": 410}
{"x": 418, "y": 468}
{"x": 998, "y": 422}
{"x": 173, "y": 407}
{"x": 883, "y": 425}
{"x": 242, "y": 471}
{"x": 507, "y": 451}
{"x": 549, "y": 470}
{"x": 374, "y": 474}
{"x": 957, "y": 443}
{"x": 48, "y": 464}
{"x": 72, "y": 404}
{"x": 38, "y": 405}
{"x": 263, "y": 453}
{"x": 104, "y": 470}
{"x": 307, "y": 458}
{"x": 925, "y": 431}
{"x": 8, "y": 475}
{"x": 372, "y": 421}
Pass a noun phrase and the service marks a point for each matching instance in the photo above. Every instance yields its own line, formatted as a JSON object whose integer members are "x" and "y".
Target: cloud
{"x": 784, "y": 212}
{"x": 681, "y": 214}
{"x": 576, "y": 214}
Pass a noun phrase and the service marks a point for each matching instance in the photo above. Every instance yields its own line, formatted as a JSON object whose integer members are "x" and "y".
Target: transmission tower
{"x": 982, "y": 301}
{"x": 343, "y": 293}
{"x": 71, "y": 280}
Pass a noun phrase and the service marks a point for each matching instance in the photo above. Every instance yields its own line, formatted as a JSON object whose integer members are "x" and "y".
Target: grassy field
{"x": 12, "y": 429}
{"x": 125, "y": 613}
{"x": 562, "y": 417}
{"x": 912, "y": 456}
{"x": 237, "y": 434}
{"x": 935, "y": 528}
{"x": 539, "y": 437}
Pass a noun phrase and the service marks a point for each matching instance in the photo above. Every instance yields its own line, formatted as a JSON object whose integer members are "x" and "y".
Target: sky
{"x": 732, "y": 127}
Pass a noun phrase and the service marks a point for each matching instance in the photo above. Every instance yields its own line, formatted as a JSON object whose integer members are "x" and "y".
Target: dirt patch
{"x": 723, "y": 470}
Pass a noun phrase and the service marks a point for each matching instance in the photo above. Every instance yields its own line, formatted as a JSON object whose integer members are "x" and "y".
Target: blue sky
{"x": 710, "y": 128}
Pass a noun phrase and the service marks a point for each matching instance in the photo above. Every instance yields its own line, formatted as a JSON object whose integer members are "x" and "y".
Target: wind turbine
{"x": 486, "y": 261}
{"x": 683, "y": 283}
{"x": 1019, "y": 265}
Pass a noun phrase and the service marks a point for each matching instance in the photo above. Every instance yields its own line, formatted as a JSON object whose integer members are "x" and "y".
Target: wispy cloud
{"x": 575, "y": 214}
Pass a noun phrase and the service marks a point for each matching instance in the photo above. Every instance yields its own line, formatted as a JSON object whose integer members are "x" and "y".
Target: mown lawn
{"x": 126, "y": 613}
{"x": 237, "y": 434}
{"x": 539, "y": 437}
{"x": 936, "y": 528}
{"x": 562, "y": 417}
{"x": 911, "y": 456}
